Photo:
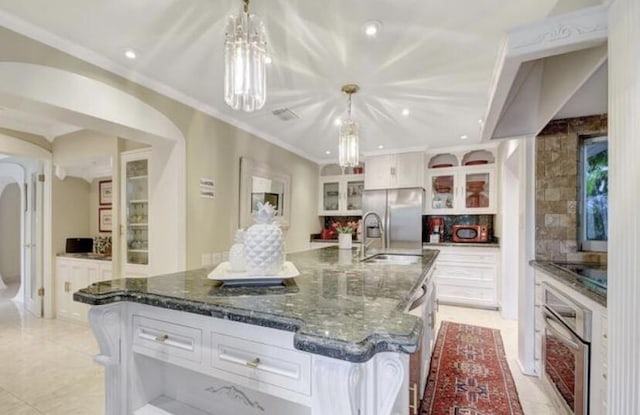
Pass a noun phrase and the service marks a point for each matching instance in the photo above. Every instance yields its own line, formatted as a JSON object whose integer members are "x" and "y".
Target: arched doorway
{"x": 91, "y": 104}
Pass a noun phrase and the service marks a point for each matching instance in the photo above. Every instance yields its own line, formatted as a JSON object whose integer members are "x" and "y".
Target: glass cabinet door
{"x": 477, "y": 190}
{"x": 442, "y": 192}
{"x": 331, "y": 196}
{"x": 354, "y": 194}
{"x": 137, "y": 212}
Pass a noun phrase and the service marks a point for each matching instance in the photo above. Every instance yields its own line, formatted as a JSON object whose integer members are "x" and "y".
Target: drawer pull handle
{"x": 254, "y": 363}
{"x": 162, "y": 339}
{"x": 414, "y": 399}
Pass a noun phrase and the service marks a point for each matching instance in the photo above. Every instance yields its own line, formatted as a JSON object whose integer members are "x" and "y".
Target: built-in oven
{"x": 566, "y": 349}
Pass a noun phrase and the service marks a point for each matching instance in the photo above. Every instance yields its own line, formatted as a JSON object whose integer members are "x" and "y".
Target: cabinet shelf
{"x": 168, "y": 406}
{"x": 138, "y": 225}
{"x": 139, "y": 201}
{"x": 138, "y": 251}
{"x": 138, "y": 177}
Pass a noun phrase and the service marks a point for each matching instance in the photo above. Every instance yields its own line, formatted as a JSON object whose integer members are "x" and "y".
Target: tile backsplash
{"x": 450, "y": 220}
{"x": 557, "y": 173}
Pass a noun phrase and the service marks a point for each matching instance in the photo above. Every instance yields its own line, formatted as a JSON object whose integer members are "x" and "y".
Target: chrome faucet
{"x": 363, "y": 249}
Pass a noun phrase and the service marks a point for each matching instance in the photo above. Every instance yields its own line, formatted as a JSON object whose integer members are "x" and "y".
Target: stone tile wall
{"x": 557, "y": 208}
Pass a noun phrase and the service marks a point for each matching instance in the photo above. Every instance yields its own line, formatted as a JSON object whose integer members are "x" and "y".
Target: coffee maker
{"x": 436, "y": 229}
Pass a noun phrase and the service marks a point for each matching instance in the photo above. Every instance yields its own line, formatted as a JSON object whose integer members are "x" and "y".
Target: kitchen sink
{"x": 396, "y": 259}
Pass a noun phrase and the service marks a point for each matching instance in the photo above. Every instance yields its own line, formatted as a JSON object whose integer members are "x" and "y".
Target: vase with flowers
{"x": 345, "y": 231}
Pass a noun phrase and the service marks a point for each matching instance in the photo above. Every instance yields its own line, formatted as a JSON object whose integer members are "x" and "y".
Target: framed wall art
{"x": 105, "y": 190}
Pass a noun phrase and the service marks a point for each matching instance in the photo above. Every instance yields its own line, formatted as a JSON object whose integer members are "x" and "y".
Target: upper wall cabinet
{"x": 340, "y": 194}
{"x": 461, "y": 183}
{"x": 394, "y": 171}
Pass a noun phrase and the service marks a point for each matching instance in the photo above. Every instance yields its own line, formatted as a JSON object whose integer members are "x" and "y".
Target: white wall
{"x": 70, "y": 211}
{"x": 10, "y": 232}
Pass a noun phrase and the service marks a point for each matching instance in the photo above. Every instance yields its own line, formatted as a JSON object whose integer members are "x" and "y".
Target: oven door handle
{"x": 563, "y": 334}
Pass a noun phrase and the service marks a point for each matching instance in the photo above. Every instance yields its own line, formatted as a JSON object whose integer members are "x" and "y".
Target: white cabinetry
{"x": 160, "y": 361}
{"x": 467, "y": 276}
{"x": 394, "y": 171}
{"x": 341, "y": 195}
{"x": 135, "y": 210}
{"x": 461, "y": 183}
{"x": 73, "y": 274}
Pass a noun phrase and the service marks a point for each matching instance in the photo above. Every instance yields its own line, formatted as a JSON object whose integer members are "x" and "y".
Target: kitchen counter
{"x": 86, "y": 255}
{"x": 337, "y": 307}
{"x": 570, "y": 279}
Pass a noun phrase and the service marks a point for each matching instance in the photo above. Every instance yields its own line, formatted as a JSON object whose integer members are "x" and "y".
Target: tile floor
{"x": 46, "y": 366}
{"x": 533, "y": 397}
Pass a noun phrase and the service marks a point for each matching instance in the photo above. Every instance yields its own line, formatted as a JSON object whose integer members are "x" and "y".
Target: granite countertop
{"x": 468, "y": 244}
{"x": 570, "y": 279}
{"x": 86, "y": 255}
{"x": 337, "y": 306}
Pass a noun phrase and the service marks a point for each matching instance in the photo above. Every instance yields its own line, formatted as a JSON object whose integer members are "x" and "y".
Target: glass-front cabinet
{"x": 135, "y": 209}
{"x": 341, "y": 195}
{"x": 461, "y": 185}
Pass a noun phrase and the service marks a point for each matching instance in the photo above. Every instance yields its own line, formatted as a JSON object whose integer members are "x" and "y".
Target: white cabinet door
{"x": 409, "y": 170}
{"x": 461, "y": 190}
{"x": 378, "y": 173}
{"x": 341, "y": 195}
{"x": 63, "y": 291}
{"x": 106, "y": 271}
{"x": 394, "y": 171}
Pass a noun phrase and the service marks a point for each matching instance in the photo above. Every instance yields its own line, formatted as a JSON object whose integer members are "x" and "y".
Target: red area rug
{"x": 469, "y": 374}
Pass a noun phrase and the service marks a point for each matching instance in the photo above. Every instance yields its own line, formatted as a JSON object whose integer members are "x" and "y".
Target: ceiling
{"x": 434, "y": 58}
{"x": 17, "y": 120}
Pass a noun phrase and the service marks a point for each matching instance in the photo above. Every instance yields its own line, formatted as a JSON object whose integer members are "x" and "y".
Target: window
{"x": 594, "y": 176}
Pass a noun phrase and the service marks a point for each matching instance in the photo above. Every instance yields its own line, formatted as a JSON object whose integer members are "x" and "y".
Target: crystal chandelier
{"x": 348, "y": 143}
{"x": 245, "y": 51}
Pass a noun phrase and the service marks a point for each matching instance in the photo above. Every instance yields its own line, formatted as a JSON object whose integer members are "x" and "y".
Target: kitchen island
{"x": 335, "y": 340}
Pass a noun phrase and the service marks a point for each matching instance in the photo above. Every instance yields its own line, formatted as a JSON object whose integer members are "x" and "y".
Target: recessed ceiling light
{"x": 130, "y": 54}
{"x": 464, "y": 137}
{"x": 337, "y": 121}
{"x": 372, "y": 28}
{"x": 268, "y": 60}
{"x": 380, "y": 146}
{"x": 327, "y": 152}
{"x": 406, "y": 112}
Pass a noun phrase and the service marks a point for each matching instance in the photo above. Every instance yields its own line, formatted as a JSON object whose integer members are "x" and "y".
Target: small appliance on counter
{"x": 78, "y": 245}
{"x": 436, "y": 230}
{"x": 470, "y": 233}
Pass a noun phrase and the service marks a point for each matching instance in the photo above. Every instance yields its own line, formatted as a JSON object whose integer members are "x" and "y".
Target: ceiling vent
{"x": 285, "y": 114}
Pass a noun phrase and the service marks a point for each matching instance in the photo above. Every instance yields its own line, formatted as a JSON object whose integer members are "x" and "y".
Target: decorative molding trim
{"x": 337, "y": 387}
{"x": 105, "y": 323}
{"x": 235, "y": 395}
{"x": 562, "y": 32}
{"x": 390, "y": 374}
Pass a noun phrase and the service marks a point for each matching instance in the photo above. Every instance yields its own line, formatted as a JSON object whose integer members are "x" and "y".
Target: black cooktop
{"x": 593, "y": 276}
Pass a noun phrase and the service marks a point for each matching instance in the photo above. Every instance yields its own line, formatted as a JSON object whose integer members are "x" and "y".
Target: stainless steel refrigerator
{"x": 401, "y": 213}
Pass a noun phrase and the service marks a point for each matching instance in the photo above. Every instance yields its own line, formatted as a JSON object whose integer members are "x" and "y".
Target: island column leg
{"x": 376, "y": 387}
{"x": 106, "y": 325}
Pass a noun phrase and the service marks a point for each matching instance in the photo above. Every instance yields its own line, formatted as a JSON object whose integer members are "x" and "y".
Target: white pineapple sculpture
{"x": 264, "y": 243}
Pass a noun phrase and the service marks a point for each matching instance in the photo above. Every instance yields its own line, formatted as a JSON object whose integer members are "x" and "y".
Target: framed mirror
{"x": 260, "y": 182}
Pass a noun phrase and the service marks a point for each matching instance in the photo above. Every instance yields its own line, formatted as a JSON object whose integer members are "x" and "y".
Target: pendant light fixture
{"x": 348, "y": 143}
{"x": 245, "y": 52}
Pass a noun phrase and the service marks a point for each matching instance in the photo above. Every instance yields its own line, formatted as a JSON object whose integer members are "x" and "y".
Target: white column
{"x": 623, "y": 301}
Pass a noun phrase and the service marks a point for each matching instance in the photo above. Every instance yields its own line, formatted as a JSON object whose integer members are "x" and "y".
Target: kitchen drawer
{"x": 466, "y": 273}
{"x": 464, "y": 294}
{"x": 288, "y": 369}
{"x": 166, "y": 341}
{"x": 467, "y": 256}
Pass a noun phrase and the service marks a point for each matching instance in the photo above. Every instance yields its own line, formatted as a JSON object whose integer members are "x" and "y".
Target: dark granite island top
{"x": 337, "y": 307}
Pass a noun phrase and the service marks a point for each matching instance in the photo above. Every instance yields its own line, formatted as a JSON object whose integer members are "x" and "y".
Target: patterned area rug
{"x": 469, "y": 374}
